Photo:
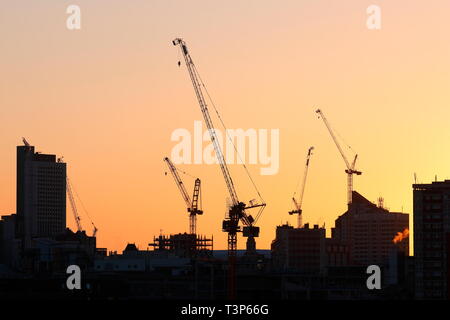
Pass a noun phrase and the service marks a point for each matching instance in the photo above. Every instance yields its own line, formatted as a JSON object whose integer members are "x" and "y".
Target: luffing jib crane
{"x": 192, "y": 206}
{"x": 73, "y": 205}
{"x": 298, "y": 204}
{"x": 236, "y": 212}
{"x": 350, "y": 171}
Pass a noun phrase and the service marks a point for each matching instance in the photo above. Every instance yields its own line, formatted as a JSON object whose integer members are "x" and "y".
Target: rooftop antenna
{"x": 380, "y": 202}
{"x": 25, "y": 142}
{"x": 415, "y": 178}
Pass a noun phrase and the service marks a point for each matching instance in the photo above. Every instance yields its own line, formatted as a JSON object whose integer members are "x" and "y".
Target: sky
{"x": 109, "y": 96}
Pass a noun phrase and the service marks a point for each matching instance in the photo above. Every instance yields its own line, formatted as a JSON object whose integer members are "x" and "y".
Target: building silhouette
{"x": 362, "y": 236}
{"x": 36, "y": 248}
{"x": 10, "y": 245}
{"x": 301, "y": 249}
{"x": 35, "y": 240}
{"x": 369, "y": 231}
{"x": 40, "y": 196}
{"x": 431, "y": 239}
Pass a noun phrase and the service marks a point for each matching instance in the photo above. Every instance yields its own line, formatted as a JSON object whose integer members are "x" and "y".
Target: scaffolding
{"x": 184, "y": 244}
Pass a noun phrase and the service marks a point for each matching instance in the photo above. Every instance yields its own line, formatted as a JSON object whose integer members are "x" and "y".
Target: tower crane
{"x": 298, "y": 204}
{"x": 73, "y": 205}
{"x": 237, "y": 211}
{"x": 192, "y": 206}
{"x": 350, "y": 171}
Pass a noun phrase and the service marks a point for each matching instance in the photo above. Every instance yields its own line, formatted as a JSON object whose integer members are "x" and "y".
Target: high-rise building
{"x": 431, "y": 239}
{"x": 41, "y": 195}
{"x": 369, "y": 231}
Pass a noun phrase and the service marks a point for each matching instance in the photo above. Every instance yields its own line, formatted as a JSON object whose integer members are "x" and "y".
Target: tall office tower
{"x": 431, "y": 239}
{"x": 41, "y": 195}
{"x": 370, "y": 232}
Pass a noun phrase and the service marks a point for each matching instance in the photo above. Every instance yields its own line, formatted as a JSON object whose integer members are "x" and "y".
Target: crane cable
{"x": 186, "y": 173}
{"x": 183, "y": 172}
{"x": 342, "y": 139}
{"x": 229, "y": 138}
{"x": 82, "y": 204}
{"x": 298, "y": 184}
{"x": 190, "y": 175}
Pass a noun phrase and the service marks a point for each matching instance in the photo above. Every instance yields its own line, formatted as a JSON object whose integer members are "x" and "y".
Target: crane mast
{"x": 192, "y": 206}
{"x": 193, "y": 210}
{"x": 350, "y": 171}
{"x": 298, "y": 204}
{"x": 237, "y": 211}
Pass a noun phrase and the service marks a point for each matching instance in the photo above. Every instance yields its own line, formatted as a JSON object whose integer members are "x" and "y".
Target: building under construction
{"x": 184, "y": 245}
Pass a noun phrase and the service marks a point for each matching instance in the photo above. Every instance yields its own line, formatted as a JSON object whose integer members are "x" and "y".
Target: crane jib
{"x": 198, "y": 84}
{"x": 197, "y": 88}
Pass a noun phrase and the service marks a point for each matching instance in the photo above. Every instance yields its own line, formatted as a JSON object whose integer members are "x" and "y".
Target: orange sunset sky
{"x": 107, "y": 98}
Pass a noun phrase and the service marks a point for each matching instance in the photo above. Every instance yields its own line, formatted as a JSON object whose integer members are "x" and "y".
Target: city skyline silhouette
{"x": 109, "y": 107}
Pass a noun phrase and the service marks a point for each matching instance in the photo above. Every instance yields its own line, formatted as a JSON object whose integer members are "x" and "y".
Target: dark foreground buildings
{"x": 36, "y": 248}
{"x": 367, "y": 234}
{"x": 35, "y": 239}
{"x": 299, "y": 249}
{"x": 362, "y": 236}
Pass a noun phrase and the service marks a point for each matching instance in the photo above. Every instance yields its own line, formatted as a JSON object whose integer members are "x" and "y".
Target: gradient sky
{"x": 107, "y": 98}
